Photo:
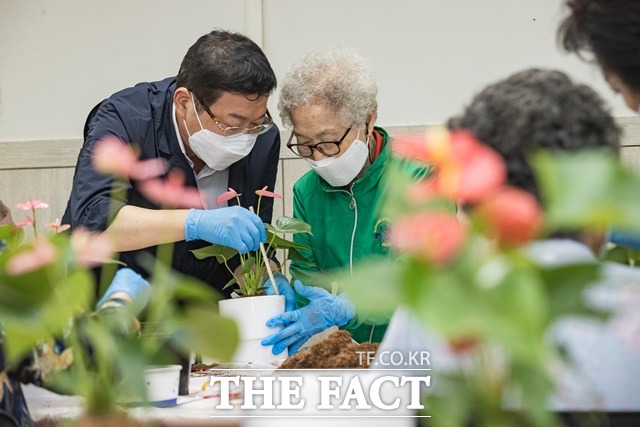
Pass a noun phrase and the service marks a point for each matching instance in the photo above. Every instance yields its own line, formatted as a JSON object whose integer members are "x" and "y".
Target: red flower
{"x": 513, "y": 216}
{"x": 463, "y": 344}
{"x": 57, "y": 227}
{"x": 265, "y": 193}
{"x": 226, "y": 196}
{"x": 27, "y": 221}
{"x": 112, "y": 156}
{"x": 466, "y": 170}
{"x": 172, "y": 192}
{"x": 32, "y": 204}
{"x": 91, "y": 249}
{"x": 41, "y": 254}
{"x": 435, "y": 237}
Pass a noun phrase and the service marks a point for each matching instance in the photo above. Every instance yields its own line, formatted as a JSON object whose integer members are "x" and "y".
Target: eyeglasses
{"x": 328, "y": 148}
{"x": 238, "y": 130}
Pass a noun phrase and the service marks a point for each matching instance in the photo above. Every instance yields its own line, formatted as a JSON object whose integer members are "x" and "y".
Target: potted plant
{"x": 251, "y": 308}
{"x": 47, "y": 308}
{"x": 474, "y": 285}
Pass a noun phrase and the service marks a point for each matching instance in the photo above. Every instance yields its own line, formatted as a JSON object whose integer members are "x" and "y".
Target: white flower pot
{"x": 251, "y": 315}
{"x": 162, "y": 383}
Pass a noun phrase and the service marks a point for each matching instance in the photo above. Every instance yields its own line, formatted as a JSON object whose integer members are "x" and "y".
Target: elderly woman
{"x": 328, "y": 98}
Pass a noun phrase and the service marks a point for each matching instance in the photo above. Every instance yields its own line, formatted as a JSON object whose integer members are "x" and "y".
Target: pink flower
{"x": 57, "y": 227}
{"x": 435, "y": 237}
{"x": 41, "y": 254}
{"x": 513, "y": 216}
{"x": 112, "y": 156}
{"x": 32, "y": 204}
{"x": 465, "y": 170}
{"x": 226, "y": 196}
{"x": 91, "y": 249}
{"x": 265, "y": 193}
{"x": 172, "y": 192}
{"x": 27, "y": 221}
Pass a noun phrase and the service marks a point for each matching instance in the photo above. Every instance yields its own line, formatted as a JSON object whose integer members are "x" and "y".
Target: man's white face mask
{"x": 219, "y": 151}
{"x": 340, "y": 171}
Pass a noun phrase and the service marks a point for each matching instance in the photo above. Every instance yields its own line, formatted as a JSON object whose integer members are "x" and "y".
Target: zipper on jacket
{"x": 353, "y": 204}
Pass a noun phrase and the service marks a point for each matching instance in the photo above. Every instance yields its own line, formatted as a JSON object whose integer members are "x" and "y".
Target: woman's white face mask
{"x": 217, "y": 151}
{"x": 340, "y": 171}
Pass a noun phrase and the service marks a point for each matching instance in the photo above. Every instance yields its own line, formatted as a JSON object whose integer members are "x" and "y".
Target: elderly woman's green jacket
{"x": 348, "y": 227}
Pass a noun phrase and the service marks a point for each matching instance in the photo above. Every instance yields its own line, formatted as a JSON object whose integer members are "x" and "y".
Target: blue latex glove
{"x": 324, "y": 310}
{"x": 284, "y": 288}
{"x": 234, "y": 226}
{"x": 128, "y": 281}
{"x": 627, "y": 239}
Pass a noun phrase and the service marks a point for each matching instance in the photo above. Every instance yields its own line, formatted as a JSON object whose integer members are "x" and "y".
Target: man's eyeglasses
{"x": 238, "y": 130}
{"x": 328, "y": 148}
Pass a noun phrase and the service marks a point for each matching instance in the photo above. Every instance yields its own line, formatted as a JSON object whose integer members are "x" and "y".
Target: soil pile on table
{"x": 336, "y": 351}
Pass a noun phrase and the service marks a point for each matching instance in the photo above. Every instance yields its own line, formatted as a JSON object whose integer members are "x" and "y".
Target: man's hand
{"x": 234, "y": 227}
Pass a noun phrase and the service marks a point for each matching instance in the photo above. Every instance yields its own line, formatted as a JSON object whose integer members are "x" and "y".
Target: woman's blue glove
{"x": 324, "y": 310}
{"x": 235, "y": 227}
{"x": 284, "y": 288}
{"x": 128, "y": 281}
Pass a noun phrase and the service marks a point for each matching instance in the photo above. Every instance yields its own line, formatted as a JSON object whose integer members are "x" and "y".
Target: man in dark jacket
{"x": 210, "y": 122}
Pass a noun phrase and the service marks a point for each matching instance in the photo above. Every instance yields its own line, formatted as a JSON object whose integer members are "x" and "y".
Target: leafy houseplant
{"x": 253, "y": 269}
{"x": 473, "y": 282}
{"x": 250, "y": 278}
{"x": 47, "y": 291}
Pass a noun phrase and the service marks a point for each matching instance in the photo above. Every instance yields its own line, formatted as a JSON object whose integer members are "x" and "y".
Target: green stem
{"x": 259, "y": 200}
{"x": 35, "y": 230}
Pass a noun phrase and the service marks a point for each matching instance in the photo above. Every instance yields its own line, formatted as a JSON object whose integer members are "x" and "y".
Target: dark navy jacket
{"x": 141, "y": 115}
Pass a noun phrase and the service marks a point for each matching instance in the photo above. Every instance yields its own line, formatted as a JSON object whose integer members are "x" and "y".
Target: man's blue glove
{"x": 128, "y": 281}
{"x": 324, "y": 310}
{"x": 235, "y": 227}
{"x": 284, "y": 288}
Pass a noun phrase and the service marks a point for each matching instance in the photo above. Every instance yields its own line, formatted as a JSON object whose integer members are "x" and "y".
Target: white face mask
{"x": 340, "y": 171}
{"x": 217, "y": 151}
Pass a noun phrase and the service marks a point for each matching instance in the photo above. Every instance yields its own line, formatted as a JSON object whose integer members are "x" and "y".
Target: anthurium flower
{"x": 435, "y": 237}
{"x": 91, "y": 249}
{"x": 32, "y": 204}
{"x": 465, "y": 169}
{"x": 463, "y": 344}
{"x": 172, "y": 191}
{"x": 226, "y": 196}
{"x": 512, "y": 216}
{"x": 57, "y": 227}
{"x": 113, "y": 156}
{"x": 27, "y": 221}
{"x": 41, "y": 254}
{"x": 265, "y": 193}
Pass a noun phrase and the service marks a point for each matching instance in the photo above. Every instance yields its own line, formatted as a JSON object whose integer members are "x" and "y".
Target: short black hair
{"x": 608, "y": 28}
{"x": 535, "y": 109}
{"x": 222, "y": 61}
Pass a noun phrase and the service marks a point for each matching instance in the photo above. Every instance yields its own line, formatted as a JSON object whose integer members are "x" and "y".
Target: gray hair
{"x": 336, "y": 77}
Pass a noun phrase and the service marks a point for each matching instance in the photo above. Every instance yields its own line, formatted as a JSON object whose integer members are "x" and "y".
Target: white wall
{"x": 58, "y": 58}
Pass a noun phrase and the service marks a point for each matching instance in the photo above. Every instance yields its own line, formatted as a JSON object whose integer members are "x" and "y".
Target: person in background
{"x": 544, "y": 109}
{"x": 609, "y": 30}
{"x": 328, "y": 99}
{"x": 211, "y": 123}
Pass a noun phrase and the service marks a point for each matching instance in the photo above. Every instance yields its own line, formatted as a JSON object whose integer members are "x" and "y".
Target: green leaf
{"x": 10, "y": 237}
{"x": 277, "y": 242}
{"x": 565, "y": 286}
{"x": 222, "y": 253}
{"x": 289, "y": 225}
{"x": 294, "y": 254}
{"x": 233, "y": 281}
{"x": 587, "y": 190}
{"x": 248, "y": 264}
{"x": 373, "y": 287}
{"x": 208, "y": 333}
